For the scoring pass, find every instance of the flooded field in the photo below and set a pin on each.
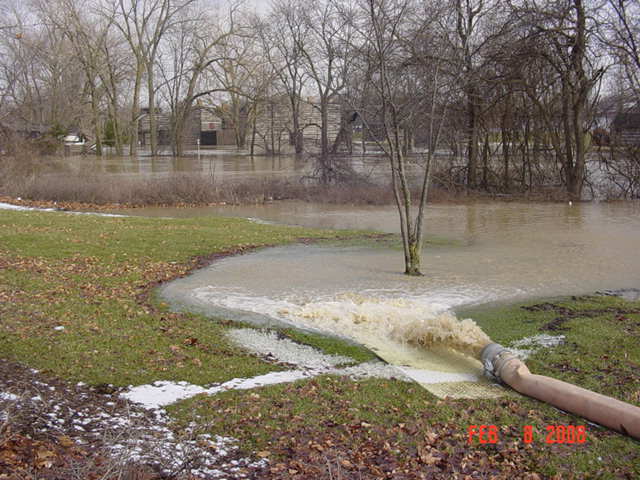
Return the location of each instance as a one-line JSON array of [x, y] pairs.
[[492, 252]]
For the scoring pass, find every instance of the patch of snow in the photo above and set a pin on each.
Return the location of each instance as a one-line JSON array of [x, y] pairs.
[[162, 393], [267, 343], [129, 434], [9, 206], [260, 221], [272, 378]]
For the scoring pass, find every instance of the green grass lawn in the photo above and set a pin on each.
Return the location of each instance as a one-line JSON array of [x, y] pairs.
[[87, 274], [93, 275]]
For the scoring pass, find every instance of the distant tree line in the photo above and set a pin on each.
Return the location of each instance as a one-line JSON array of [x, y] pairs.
[[499, 95]]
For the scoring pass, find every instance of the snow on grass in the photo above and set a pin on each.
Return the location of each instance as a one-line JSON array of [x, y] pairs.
[[164, 393], [268, 343], [309, 361], [9, 206], [8, 397], [127, 433]]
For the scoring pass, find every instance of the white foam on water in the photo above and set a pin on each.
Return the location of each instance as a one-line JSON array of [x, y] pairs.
[[417, 334], [419, 321]]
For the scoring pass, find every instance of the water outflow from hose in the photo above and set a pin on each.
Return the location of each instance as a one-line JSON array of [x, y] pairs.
[[501, 364]]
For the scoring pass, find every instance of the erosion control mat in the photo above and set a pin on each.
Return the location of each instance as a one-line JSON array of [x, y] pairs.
[[442, 372]]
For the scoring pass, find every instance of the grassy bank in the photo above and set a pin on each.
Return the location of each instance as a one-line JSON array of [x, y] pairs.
[[73, 295], [74, 302]]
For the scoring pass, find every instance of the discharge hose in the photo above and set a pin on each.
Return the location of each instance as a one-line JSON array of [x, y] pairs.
[[501, 364]]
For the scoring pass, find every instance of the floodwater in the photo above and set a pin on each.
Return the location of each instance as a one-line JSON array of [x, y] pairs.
[[485, 252], [220, 164]]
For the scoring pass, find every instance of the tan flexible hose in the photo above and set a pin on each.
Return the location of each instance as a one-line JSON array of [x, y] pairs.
[[609, 412]]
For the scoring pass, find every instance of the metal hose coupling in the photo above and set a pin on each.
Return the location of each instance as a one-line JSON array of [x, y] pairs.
[[489, 357]]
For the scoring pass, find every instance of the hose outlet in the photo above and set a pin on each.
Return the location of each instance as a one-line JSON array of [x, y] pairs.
[[489, 356]]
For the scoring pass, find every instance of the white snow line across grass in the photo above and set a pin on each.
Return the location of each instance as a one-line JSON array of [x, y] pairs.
[[163, 393], [20, 208]]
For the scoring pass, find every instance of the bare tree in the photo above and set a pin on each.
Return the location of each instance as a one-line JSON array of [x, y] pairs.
[[560, 33], [327, 58], [284, 35], [407, 72], [143, 24], [623, 37], [240, 73], [88, 36]]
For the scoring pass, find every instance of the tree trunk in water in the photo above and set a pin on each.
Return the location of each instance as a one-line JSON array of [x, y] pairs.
[[327, 174], [298, 141], [506, 156], [485, 163], [324, 128], [580, 101], [414, 256], [96, 123], [472, 143], [135, 113], [577, 176], [153, 118], [178, 134]]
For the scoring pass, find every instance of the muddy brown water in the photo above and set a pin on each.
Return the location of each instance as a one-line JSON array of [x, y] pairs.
[[219, 164]]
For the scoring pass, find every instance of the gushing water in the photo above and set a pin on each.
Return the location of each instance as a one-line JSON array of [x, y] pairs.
[[403, 320]]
